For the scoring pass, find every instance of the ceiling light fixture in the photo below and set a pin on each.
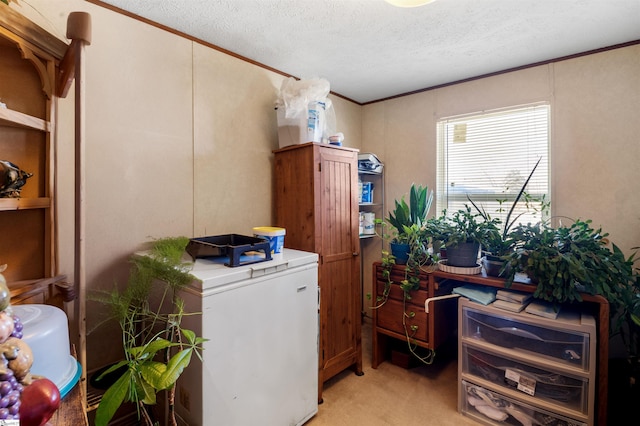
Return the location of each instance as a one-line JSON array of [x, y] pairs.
[[409, 3]]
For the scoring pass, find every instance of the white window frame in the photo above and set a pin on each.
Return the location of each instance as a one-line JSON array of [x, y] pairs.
[[501, 148]]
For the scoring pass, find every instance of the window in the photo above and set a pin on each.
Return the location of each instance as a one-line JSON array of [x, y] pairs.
[[489, 156]]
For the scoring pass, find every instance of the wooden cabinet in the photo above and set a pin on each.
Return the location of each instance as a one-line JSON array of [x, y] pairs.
[[29, 60], [316, 202], [400, 318]]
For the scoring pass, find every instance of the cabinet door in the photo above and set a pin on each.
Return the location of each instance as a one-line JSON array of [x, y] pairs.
[[340, 269], [294, 196]]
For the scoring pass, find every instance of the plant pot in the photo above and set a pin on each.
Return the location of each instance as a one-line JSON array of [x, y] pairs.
[[400, 252], [463, 254], [493, 265]]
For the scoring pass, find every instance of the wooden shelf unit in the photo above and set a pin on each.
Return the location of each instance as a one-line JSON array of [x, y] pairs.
[[29, 60]]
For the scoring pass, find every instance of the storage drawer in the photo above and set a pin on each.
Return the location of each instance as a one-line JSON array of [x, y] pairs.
[[493, 408], [397, 293], [389, 316], [558, 340], [545, 384]]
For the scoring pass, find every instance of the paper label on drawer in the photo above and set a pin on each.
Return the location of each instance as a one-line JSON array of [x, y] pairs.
[[524, 384]]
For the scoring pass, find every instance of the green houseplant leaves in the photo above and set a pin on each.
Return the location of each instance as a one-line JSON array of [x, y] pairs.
[[156, 348], [568, 260], [405, 216]]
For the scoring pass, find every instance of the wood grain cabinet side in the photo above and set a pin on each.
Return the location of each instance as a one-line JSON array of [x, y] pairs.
[[316, 202]]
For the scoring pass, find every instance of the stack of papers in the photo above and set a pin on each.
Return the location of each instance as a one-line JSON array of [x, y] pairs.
[[514, 296], [513, 301], [477, 293], [543, 309], [509, 306]]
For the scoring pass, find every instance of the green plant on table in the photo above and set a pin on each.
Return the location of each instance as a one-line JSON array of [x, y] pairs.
[[570, 260], [500, 244], [405, 216], [566, 261], [464, 226], [156, 347], [419, 259], [408, 222]]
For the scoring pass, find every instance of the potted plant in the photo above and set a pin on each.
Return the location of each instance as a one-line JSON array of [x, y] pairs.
[[498, 245], [464, 233], [156, 347], [408, 221], [409, 240], [409, 247], [567, 260], [438, 230]]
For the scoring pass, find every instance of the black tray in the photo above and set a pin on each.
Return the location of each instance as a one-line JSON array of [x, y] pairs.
[[231, 245]]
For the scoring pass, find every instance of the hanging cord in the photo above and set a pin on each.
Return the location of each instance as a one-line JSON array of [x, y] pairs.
[[431, 354]]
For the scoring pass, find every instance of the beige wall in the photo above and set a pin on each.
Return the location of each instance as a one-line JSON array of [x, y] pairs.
[[179, 140], [595, 144], [595, 148]]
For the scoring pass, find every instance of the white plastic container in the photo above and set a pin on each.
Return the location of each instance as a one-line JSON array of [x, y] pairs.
[[369, 223], [46, 332], [307, 126], [273, 234]]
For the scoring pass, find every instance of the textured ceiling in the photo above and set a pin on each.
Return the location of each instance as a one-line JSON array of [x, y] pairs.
[[369, 50]]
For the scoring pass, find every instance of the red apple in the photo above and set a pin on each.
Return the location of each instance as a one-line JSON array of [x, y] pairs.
[[38, 402]]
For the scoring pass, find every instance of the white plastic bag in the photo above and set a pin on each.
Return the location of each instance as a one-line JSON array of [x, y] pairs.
[[297, 99], [295, 95]]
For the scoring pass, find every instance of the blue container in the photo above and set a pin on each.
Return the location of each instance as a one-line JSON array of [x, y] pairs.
[[367, 192]]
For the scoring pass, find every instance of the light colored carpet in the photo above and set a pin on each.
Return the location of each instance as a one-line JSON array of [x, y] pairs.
[[391, 395]]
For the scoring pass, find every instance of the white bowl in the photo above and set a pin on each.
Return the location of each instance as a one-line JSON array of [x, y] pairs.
[[46, 331]]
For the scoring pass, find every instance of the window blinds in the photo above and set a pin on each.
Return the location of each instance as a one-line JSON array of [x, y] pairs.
[[488, 157]]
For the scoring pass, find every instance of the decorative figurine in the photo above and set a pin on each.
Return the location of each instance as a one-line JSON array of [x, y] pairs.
[[12, 179]]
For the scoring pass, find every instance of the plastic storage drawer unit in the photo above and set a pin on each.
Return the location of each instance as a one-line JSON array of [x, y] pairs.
[[545, 384], [493, 408], [560, 343], [546, 365]]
